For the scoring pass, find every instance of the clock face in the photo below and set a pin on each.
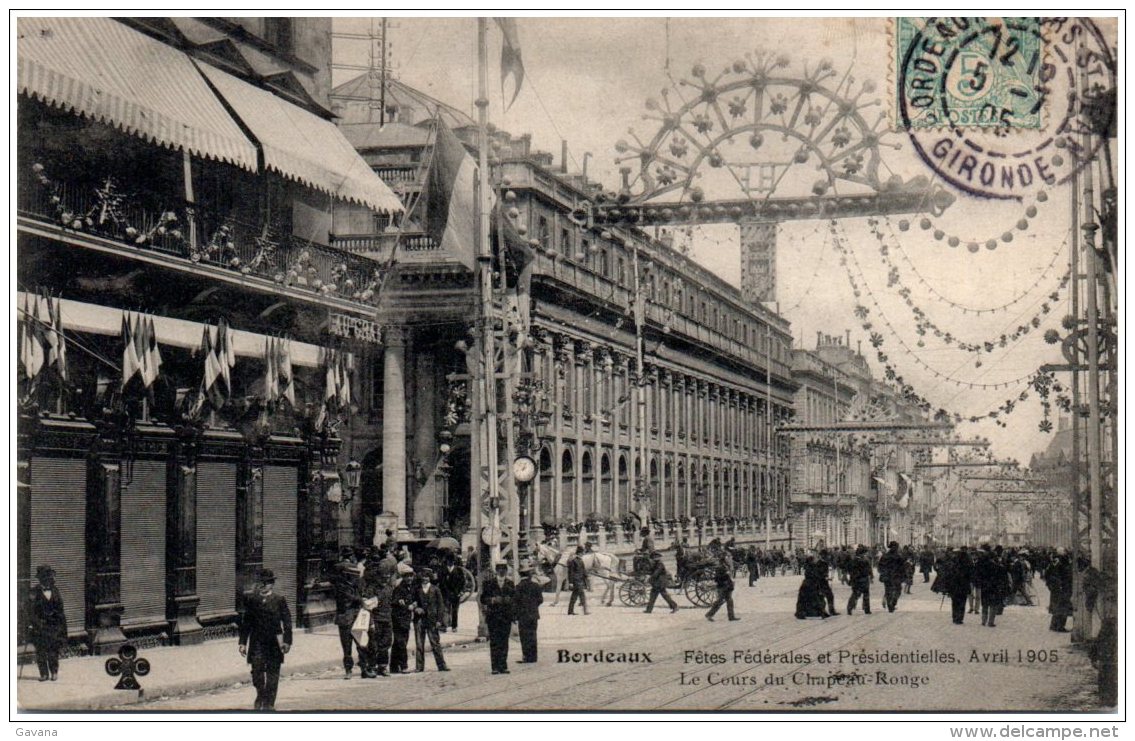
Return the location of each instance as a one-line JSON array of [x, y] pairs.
[[524, 469]]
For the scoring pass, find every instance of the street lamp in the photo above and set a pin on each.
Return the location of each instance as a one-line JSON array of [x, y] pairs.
[[352, 477]]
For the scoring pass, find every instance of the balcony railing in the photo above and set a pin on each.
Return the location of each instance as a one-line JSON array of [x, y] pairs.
[[383, 243], [200, 236]]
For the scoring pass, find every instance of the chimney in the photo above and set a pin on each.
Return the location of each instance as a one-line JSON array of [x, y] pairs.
[[563, 156], [859, 347], [818, 336], [848, 336]]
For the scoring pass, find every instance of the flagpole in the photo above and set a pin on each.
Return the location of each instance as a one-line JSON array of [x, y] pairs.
[[489, 457]]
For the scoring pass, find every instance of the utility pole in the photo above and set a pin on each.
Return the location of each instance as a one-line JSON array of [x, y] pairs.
[[643, 483], [769, 435], [488, 463]]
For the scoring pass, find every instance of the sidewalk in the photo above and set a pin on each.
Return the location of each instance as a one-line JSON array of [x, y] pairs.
[[83, 683]]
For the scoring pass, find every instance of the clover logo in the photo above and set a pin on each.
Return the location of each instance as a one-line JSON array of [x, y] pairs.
[[126, 666]]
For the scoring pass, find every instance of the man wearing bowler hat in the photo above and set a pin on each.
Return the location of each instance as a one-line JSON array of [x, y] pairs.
[[265, 636], [498, 596]]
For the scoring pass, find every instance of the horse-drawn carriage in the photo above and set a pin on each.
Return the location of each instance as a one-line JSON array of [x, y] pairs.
[[695, 579], [434, 552]]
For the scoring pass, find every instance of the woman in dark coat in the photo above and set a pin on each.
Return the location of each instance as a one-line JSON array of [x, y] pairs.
[[810, 598], [48, 623]]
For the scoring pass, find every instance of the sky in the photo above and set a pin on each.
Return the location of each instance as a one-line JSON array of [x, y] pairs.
[[587, 81]]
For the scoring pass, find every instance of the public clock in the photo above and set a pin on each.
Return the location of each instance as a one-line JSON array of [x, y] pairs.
[[524, 469]]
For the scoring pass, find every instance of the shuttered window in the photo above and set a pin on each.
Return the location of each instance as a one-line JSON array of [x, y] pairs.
[[216, 539], [280, 485], [144, 544], [58, 530]]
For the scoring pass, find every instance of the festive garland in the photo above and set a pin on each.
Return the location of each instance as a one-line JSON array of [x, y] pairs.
[[1043, 383], [973, 245], [924, 325], [1057, 253]]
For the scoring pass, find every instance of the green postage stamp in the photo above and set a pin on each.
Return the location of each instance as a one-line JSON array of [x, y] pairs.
[[987, 73]]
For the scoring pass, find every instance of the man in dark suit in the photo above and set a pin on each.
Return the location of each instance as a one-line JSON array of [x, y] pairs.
[[48, 623], [346, 585], [723, 579], [529, 597], [659, 580], [860, 576], [265, 636], [452, 583], [429, 616], [577, 580], [892, 571], [498, 596], [404, 598]]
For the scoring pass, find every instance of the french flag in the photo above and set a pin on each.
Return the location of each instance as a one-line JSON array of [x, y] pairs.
[[449, 197]]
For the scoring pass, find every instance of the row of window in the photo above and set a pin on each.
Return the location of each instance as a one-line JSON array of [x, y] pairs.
[[669, 292], [590, 393]]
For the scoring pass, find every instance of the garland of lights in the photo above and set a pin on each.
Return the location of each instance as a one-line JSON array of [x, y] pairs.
[[1043, 383], [924, 325], [973, 245], [1057, 253]]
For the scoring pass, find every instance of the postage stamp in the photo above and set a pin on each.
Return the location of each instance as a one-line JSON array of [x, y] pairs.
[[969, 72], [972, 95]]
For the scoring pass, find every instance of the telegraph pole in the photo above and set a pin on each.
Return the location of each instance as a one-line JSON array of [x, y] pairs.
[[643, 483], [486, 477]]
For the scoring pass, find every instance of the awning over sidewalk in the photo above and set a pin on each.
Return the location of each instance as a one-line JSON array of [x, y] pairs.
[[302, 146], [111, 73]]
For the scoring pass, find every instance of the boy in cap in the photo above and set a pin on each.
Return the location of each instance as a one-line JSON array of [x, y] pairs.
[[529, 597], [498, 597], [265, 636]]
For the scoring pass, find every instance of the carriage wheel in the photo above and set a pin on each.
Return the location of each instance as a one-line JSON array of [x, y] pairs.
[[470, 584], [701, 589], [633, 593]]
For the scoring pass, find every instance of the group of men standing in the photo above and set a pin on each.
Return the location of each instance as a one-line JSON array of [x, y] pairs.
[[397, 599]]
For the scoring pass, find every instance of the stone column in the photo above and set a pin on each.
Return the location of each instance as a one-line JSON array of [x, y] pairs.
[[394, 424], [427, 499], [181, 539], [104, 539]]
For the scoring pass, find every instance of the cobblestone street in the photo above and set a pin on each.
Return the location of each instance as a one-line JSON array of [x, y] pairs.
[[695, 664]]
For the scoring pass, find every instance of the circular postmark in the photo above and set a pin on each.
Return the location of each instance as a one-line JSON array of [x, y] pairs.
[[978, 98]]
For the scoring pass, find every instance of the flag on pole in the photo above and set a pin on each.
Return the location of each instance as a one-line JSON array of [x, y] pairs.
[[511, 63], [226, 355], [449, 198], [151, 356], [31, 348], [271, 376], [213, 389], [60, 359], [285, 379], [131, 362]]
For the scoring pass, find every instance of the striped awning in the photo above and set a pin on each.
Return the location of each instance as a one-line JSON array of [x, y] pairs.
[[106, 71], [302, 146]]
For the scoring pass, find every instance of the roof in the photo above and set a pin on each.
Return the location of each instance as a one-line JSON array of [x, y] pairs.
[[104, 70], [402, 95], [370, 136], [302, 146]]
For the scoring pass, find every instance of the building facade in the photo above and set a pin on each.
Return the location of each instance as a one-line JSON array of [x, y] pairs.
[[716, 375], [189, 334]]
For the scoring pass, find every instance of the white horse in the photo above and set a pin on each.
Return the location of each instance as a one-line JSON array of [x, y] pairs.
[[596, 563]]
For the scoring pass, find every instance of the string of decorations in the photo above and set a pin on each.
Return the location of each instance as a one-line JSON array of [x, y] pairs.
[[973, 245], [924, 325], [1057, 253], [1042, 382]]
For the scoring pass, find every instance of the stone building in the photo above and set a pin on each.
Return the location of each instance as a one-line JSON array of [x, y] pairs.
[[177, 180], [717, 376]]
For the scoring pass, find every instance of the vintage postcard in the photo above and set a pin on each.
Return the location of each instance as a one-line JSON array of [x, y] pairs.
[[759, 365]]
